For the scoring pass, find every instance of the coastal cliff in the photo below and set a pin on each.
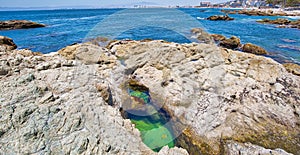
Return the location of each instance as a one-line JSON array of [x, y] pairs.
[[223, 101]]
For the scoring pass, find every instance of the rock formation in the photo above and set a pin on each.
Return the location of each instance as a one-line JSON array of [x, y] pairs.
[[254, 49], [220, 17], [283, 23], [222, 101], [231, 43], [218, 37], [292, 68], [7, 43], [266, 13], [19, 24]]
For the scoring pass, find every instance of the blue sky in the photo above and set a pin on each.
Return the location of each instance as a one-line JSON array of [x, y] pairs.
[[96, 3]]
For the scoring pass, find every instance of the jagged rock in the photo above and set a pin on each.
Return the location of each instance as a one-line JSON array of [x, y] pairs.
[[19, 24], [220, 17], [8, 43], [254, 49], [231, 43], [292, 68], [248, 148], [219, 94], [222, 101]]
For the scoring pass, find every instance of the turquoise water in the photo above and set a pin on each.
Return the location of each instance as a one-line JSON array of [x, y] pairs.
[[69, 26], [152, 122]]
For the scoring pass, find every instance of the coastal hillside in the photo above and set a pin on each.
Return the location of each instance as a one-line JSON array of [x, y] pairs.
[[83, 98]]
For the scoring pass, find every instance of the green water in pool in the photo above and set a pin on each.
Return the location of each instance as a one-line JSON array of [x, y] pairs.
[[153, 124]]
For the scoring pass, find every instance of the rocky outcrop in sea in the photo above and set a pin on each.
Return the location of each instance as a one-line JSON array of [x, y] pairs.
[[283, 23], [218, 101], [220, 17], [19, 24]]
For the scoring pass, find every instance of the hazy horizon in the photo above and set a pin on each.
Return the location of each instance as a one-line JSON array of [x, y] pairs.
[[95, 3]]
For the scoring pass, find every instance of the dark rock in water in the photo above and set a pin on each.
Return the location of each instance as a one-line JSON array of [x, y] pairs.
[[218, 37], [282, 22], [254, 49], [231, 43], [8, 43], [229, 11], [220, 17], [19, 24], [292, 68]]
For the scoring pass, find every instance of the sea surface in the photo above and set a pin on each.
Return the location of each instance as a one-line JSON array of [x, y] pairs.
[[65, 27]]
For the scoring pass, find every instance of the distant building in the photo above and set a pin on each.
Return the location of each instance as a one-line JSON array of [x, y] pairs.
[[205, 4]]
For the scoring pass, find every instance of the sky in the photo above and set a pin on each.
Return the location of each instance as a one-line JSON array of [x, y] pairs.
[[95, 3]]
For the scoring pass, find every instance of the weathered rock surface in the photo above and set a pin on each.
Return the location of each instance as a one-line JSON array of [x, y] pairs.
[[231, 43], [220, 95], [224, 101], [19, 24], [292, 68], [282, 22], [254, 49], [220, 17], [7, 43]]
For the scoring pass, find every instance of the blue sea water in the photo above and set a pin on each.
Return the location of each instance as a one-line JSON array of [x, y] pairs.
[[65, 27]]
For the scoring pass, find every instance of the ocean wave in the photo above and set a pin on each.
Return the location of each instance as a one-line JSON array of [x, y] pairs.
[[290, 47], [83, 18], [288, 40], [200, 18], [293, 17]]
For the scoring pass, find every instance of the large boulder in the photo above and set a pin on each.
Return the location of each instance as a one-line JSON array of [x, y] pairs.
[[19, 24], [220, 17], [231, 43], [221, 96], [8, 43], [219, 101], [254, 49]]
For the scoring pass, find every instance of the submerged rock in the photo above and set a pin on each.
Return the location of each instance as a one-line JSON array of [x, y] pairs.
[[19, 24], [254, 49]]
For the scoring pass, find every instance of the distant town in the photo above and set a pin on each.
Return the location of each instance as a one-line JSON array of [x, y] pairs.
[[239, 4]]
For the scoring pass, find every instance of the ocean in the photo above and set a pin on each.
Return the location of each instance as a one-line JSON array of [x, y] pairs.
[[65, 27]]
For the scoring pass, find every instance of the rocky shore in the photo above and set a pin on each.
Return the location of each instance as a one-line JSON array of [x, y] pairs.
[[233, 42], [222, 101], [19, 24], [262, 12]]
